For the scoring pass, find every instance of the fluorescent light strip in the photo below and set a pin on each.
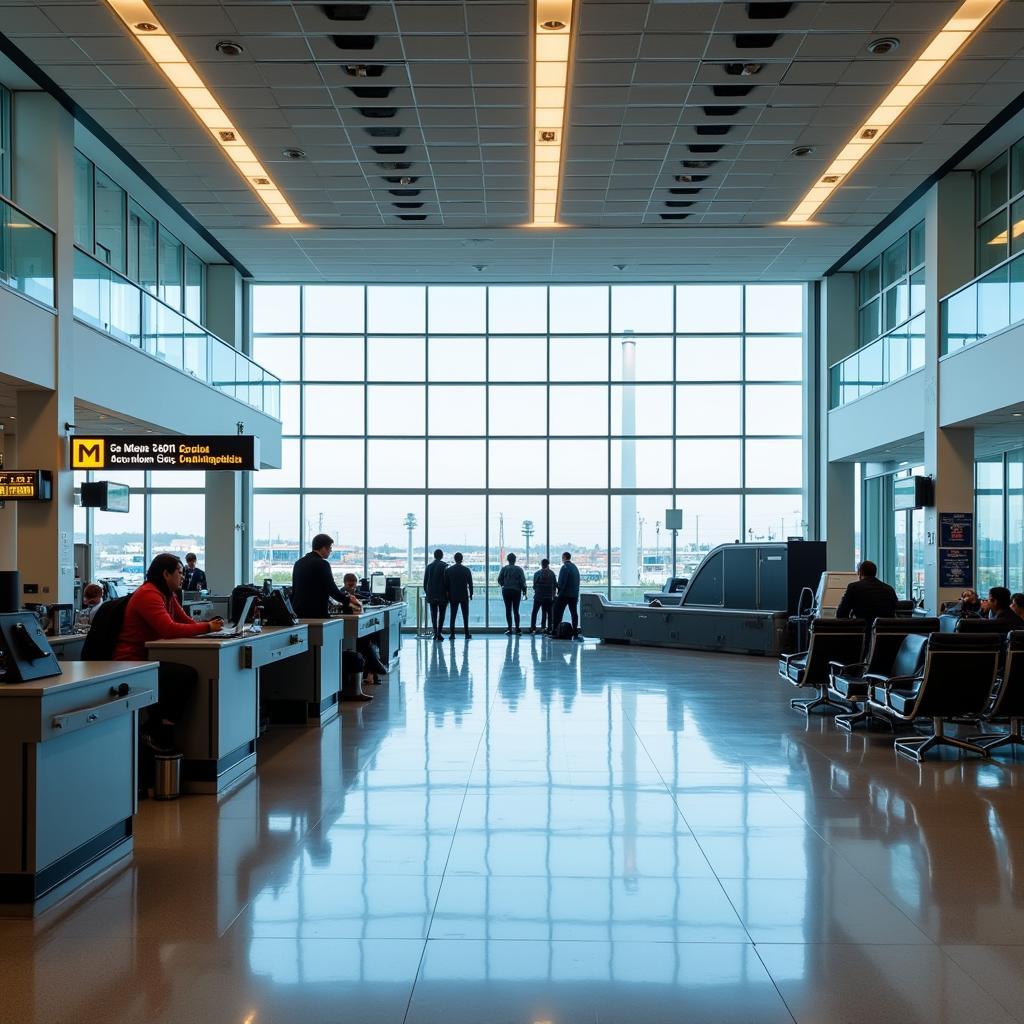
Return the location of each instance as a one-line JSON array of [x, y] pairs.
[[550, 80], [952, 37], [157, 42]]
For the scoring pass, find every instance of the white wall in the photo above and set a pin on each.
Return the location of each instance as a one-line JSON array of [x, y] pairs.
[[27, 341], [885, 417], [983, 378]]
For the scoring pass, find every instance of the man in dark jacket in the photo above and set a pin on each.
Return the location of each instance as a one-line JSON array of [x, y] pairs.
[[313, 582], [195, 578], [543, 597], [435, 592], [867, 598], [568, 595], [999, 610], [458, 582]]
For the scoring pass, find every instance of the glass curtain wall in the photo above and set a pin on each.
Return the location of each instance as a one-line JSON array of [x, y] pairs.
[[894, 541], [560, 418], [6, 155]]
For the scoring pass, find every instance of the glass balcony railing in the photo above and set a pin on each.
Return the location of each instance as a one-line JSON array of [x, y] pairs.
[[890, 357], [119, 307], [986, 305], [26, 254]]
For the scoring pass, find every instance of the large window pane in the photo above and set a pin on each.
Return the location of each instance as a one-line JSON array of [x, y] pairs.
[[457, 310], [774, 463], [396, 310], [704, 308], [709, 359], [340, 516], [991, 246], [641, 409], [458, 464], [519, 463], [642, 463], [775, 308], [641, 552], [288, 474], [110, 221], [178, 525], [708, 519], [579, 359], [515, 359], [711, 409], [989, 502], [278, 355], [171, 269], [396, 536], [396, 359], [456, 523], [993, 185], [517, 410], [84, 202], [579, 464], [642, 309], [640, 358], [396, 464], [774, 409], [457, 359], [291, 421], [513, 310], [118, 539], [275, 309], [332, 309], [333, 359], [894, 262], [275, 536], [579, 309], [708, 464], [195, 284], [397, 410], [142, 247], [775, 358], [333, 463], [507, 517], [333, 409], [457, 410], [579, 410], [774, 516], [1015, 520], [579, 525]]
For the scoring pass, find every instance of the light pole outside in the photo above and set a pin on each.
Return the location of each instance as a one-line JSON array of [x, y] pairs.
[[527, 534]]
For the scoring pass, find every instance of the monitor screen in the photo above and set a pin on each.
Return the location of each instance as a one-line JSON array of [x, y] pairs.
[[378, 585]]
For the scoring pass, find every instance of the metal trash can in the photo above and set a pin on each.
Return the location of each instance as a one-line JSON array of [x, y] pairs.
[[167, 776]]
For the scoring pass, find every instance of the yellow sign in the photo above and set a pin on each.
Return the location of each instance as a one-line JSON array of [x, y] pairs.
[[88, 453]]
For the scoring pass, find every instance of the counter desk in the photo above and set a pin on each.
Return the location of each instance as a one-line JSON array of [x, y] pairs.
[[386, 620], [67, 647], [68, 777], [221, 723]]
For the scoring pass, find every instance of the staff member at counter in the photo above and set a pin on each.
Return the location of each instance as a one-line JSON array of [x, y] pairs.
[[313, 582], [153, 613]]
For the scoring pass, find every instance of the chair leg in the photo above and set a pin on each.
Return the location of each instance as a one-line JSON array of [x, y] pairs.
[[821, 701], [918, 746], [994, 740]]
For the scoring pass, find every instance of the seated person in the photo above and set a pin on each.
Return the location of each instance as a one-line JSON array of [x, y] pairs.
[[349, 584], [92, 598], [867, 598], [153, 613], [368, 646], [968, 607], [999, 608], [1017, 605]]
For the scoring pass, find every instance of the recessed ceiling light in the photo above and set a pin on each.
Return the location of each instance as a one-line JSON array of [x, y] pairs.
[[884, 45], [294, 154], [552, 43], [167, 55], [945, 45], [230, 48]]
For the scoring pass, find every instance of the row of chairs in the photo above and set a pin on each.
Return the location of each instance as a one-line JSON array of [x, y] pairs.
[[911, 671]]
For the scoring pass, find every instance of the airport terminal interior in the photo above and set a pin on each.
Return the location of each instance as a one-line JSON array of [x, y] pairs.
[[511, 511]]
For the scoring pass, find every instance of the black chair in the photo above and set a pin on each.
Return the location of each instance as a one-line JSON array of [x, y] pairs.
[[1009, 697], [956, 680], [905, 609], [831, 640], [849, 683], [983, 626]]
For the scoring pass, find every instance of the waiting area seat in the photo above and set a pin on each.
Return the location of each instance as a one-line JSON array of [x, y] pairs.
[[1008, 701], [830, 640], [887, 656], [956, 680]]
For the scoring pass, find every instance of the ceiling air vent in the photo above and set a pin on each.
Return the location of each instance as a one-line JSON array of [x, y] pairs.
[[673, 216], [698, 165], [768, 11], [402, 181], [390, 151], [692, 177], [381, 112], [721, 111], [400, 166], [711, 129], [384, 131], [726, 92], [680, 204], [404, 191], [742, 70], [412, 216], [364, 70], [754, 40], [371, 92], [683, 191], [346, 12], [703, 149], [407, 206], [354, 42]]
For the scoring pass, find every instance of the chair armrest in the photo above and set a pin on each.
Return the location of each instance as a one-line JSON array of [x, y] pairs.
[[891, 681], [787, 658], [837, 668]]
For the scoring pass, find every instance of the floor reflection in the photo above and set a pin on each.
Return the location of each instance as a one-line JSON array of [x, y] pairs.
[[521, 829]]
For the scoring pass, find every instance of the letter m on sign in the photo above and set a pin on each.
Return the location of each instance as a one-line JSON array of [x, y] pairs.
[[88, 453]]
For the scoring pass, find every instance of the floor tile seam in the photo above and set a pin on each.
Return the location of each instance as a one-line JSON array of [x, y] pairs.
[[1011, 1010], [775, 984]]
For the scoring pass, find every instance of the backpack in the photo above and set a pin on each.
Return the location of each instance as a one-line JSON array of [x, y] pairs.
[[105, 631], [564, 631], [238, 598]]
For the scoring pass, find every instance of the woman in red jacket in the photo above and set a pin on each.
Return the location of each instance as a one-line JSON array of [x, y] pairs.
[[153, 613]]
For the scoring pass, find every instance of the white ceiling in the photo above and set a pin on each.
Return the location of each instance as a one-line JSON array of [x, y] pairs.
[[459, 74]]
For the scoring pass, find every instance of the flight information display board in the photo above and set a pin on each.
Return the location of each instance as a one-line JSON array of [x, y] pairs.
[[26, 485], [148, 451]]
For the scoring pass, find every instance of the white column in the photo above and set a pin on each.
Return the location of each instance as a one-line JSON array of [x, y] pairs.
[[628, 575], [225, 565]]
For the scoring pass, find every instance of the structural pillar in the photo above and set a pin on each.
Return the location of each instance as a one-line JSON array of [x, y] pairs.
[[224, 303], [225, 565], [628, 568], [8, 514]]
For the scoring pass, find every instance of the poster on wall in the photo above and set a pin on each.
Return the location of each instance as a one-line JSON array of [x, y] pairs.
[[956, 529], [956, 567]]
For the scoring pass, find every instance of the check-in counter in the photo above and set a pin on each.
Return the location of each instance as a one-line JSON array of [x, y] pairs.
[[395, 616], [68, 777], [68, 647], [304, 690], [220, 726]]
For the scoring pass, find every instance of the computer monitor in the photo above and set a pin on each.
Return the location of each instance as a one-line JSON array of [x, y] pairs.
[[378, 585]]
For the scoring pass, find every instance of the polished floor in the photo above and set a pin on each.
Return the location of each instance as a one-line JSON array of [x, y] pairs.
[[534, 832]]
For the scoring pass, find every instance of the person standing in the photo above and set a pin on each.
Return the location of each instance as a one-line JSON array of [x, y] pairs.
[[543, 597], [434, 590], [568, 595], [195, 578], [458, 581], [512, 581]]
